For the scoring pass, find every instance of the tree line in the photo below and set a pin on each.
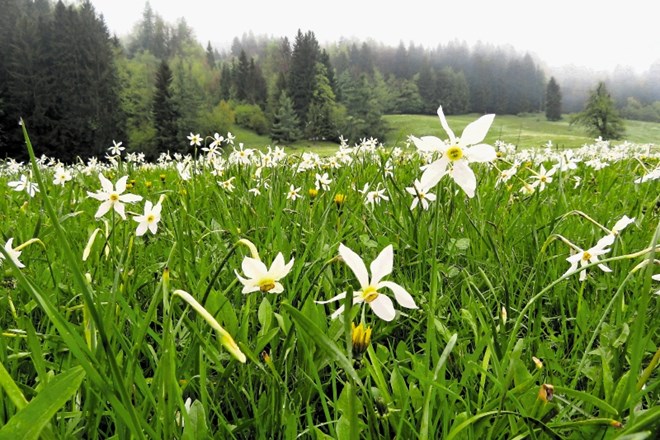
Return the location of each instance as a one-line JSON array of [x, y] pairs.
[[79, 88]]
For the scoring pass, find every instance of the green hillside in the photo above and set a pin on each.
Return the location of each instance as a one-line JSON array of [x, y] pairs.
[[525, 131]]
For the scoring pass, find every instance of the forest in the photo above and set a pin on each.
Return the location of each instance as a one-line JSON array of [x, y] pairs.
[[79, 88]]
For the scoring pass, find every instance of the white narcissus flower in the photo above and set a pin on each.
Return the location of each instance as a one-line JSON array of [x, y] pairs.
[[24, 184], [195, 139], [113, 197], [323, 181], [458, 153], [584, 258], [421, 195], [369, 288], [61, 176], [149, 220], [619, 226], [293, 193], [259, 277], [116, 148], [543, 177], [13, 254]]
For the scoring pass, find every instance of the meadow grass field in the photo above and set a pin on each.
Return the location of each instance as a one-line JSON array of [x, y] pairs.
[[524, 131], [201, 296]]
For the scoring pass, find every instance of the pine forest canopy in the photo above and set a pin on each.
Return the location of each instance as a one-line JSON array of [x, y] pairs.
[[79, 89]]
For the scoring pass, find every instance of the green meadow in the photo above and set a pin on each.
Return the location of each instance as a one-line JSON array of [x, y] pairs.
[[525, 131], [187, 299]]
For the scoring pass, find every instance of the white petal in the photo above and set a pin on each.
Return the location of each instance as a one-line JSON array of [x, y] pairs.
[[119, 209], [443, 122], [253, 268], [106, 184], [571, 269], [141, 229], [101, 197], [400, 294], [105, 207], [464, 177], [382, 265], [153, 227], [481, 153], [621, 224], [356, 264], [129, 198], [434, 172], [121, 184], [147, 206], [279, 288], [605, 241], [383, 307], [428, 143], [476, 131], [583, 275], [334, 298], [337, 312]]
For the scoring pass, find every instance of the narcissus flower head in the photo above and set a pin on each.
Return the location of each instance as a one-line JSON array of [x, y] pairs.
[[370, 287]]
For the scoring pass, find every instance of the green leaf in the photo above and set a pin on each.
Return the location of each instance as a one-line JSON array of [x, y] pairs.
[[30, 421], [265, 315], [323, 341], [586, 397], [12, 390], [195, 427]]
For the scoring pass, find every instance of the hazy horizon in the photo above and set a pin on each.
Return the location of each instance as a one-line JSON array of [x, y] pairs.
[[586, 34]]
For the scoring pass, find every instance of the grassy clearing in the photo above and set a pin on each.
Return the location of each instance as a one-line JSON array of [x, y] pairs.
[[523, 131], [108, 347]]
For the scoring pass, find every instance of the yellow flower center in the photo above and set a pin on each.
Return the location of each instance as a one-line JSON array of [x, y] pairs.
[[544, 179], [369, 294], [454, 153], [266, 285], [151, 218], [586, 256], [114, 197]]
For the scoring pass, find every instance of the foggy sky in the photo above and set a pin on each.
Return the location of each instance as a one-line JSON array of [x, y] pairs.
[[595, 34]]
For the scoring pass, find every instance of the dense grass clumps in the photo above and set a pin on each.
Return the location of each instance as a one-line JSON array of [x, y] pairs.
[[99, 338]]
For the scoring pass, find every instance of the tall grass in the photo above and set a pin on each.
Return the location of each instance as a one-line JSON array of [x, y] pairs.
[[103, 348]]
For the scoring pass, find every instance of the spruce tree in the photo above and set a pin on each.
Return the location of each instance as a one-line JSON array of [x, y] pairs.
[[242, 77], [426, 84], [320, 113], [552, 101], [164, 111], [225, 82], [302, 73], [600, 116], [210, 56], [285, 121]]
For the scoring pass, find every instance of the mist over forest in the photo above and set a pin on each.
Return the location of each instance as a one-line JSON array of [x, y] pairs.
[[79, 88]]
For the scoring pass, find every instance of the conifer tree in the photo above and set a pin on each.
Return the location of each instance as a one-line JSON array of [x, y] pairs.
[[320, 113], [210, 56], [285, 121], [242, 77], [600, 116], [164, 111], [302, 73], [552, 101], [225, 82]]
